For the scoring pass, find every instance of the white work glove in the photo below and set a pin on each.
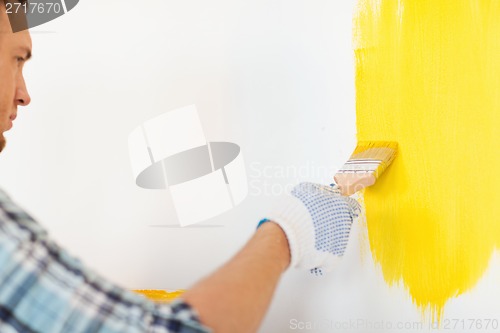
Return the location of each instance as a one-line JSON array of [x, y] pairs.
[[317, 222]]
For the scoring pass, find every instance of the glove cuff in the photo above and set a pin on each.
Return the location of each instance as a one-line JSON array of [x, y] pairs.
[[295, 220]]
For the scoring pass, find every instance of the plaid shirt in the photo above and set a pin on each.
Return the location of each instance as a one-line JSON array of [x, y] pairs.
[[44, 289]]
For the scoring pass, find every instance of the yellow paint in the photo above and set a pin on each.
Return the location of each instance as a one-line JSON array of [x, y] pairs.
[[160, 296], [428, 77]]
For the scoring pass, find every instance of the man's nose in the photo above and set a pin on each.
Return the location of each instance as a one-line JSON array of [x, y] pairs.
[[22, 96]]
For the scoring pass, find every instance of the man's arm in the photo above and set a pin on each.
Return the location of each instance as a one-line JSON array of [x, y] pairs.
[[236, 297], [308, 229]]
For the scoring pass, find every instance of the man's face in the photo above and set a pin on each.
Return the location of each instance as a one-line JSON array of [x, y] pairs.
[[15, 50]]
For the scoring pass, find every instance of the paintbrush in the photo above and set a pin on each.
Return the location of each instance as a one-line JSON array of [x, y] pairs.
[[368, 161]]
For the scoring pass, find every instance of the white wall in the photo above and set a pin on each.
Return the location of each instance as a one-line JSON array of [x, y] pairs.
[[275, 77]]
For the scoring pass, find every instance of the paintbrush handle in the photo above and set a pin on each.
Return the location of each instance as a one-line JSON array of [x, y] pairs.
[[350, 183]]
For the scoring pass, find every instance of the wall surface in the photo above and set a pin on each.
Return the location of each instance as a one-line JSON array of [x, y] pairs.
[[275, 77]]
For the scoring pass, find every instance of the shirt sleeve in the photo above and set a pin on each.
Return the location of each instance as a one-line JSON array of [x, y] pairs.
[[44, 289]]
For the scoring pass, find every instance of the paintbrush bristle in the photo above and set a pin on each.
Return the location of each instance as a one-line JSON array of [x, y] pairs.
[[366, 164]]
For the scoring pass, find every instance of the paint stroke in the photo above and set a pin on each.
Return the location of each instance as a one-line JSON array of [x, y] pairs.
[[428, 77], [160, 296]]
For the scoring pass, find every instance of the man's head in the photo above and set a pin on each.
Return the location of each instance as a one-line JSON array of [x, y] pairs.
[[15, 50]]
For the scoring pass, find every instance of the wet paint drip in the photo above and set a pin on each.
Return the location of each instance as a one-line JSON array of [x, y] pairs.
[[428, 77]]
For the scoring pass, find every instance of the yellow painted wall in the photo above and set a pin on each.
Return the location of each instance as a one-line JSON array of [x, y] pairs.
[[428, 76]]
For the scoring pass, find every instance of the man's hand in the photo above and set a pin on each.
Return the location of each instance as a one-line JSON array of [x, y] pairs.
[[317, 222]]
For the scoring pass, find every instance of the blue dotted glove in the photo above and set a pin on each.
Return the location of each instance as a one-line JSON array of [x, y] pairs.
[[317, 222]]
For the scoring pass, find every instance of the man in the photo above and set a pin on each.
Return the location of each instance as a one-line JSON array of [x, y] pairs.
[[15, 51], [45, 289]]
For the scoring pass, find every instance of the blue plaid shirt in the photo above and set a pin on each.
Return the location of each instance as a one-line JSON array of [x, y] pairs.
[[44, 289]]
